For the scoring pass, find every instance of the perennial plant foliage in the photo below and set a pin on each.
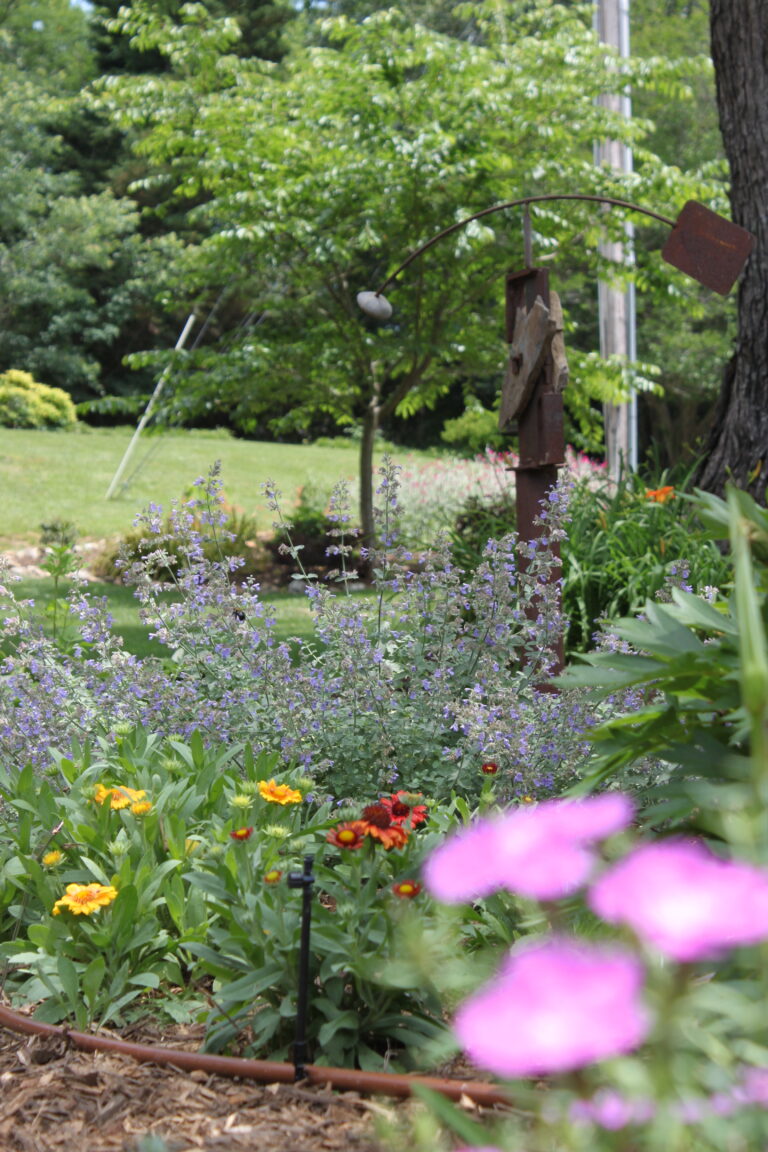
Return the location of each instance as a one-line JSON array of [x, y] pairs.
[[155, 810]]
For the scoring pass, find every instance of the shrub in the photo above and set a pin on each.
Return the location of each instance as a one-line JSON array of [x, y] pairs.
[[24, 403], [424, 681], [474, 431]]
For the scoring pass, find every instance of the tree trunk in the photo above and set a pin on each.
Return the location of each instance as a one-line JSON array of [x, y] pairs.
[[738, 443]]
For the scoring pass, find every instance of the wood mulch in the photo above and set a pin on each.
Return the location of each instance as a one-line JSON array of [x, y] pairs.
[[55, 1098]]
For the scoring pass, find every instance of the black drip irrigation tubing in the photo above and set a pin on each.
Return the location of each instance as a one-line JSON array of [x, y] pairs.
[[266, 1071]]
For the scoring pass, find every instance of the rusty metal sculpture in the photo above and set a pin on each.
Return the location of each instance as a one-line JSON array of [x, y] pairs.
[[702, 244]]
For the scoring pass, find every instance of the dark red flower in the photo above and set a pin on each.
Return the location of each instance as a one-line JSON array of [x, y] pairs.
[[403, 809], [242, 833], [490, 768]]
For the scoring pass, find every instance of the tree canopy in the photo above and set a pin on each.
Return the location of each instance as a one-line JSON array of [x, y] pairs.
[[307, 182]]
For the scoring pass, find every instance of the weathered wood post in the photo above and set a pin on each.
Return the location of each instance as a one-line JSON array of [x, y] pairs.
[[532, 396]]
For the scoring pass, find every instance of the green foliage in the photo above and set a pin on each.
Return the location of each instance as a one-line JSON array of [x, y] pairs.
[[350, 179], [235, 538], [24, 403], [198, 843], [474, 431], [699, 670], [628, 543]]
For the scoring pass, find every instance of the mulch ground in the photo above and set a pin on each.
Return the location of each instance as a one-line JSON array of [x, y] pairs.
[[54, 1097]]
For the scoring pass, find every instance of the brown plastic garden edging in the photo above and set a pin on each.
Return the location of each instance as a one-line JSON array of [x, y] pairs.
[[266, 1071]]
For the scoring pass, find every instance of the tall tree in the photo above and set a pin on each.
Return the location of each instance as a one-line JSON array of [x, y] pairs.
[[313, 179], [738, 445]]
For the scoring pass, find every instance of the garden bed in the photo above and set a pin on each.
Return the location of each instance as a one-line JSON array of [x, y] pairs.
[[55, 1097]]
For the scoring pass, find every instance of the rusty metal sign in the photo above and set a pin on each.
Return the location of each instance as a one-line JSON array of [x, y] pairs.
[[708, 247]]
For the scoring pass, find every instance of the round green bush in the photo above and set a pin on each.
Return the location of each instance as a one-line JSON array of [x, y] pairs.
[[24, 403]]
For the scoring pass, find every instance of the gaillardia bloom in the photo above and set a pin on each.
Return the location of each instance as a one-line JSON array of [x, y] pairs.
[[490, 768], [407, 889], [555, 1007], [350, 835], [682, 900], [379, 825], [141, 807], [278, 793], [241, 834], [404, 809], [120, 797], [273, 876], [543, 852], [52, 858], [82, 899]]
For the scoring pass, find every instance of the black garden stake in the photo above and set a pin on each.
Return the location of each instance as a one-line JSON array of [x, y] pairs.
[[303, 880]]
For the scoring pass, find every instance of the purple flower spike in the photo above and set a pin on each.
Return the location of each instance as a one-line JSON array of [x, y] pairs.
[[682, 900], [540, 852], [555, 1007]]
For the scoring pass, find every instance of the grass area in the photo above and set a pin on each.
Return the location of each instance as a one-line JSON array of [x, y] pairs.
[[291, 611], [65, 475]]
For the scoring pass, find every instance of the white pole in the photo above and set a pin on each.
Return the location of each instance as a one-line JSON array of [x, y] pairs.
[[149, 408], [617, 309]]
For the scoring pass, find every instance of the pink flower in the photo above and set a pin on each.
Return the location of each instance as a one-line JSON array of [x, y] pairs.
[[684, 901], [554, 1007], [541, 852]]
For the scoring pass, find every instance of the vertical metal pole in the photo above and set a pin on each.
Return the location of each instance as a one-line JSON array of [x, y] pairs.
[[305, 881], [149, 408], [617, 308]]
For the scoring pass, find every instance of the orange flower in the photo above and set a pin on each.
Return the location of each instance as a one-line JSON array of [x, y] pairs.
[[82, 899], [407, 889], [379, 825], [242, 834], [403, 809], [119, 797], [278, 793], [273, 876], [141, 807], [350, 835], [660, 495]]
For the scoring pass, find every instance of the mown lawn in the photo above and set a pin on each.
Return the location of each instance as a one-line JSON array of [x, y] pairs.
[[45, 476]]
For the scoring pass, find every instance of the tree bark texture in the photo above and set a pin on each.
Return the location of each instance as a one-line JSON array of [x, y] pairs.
[[737, 449]]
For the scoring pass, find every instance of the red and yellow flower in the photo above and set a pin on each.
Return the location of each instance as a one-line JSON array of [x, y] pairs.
[[490, 768], [380, 826], [403, 808], [350, 835], [273, 876], [82, 899], [241, 834], [406, 889]]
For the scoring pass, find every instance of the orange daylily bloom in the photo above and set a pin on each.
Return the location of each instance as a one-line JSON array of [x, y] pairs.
[[660, 495]]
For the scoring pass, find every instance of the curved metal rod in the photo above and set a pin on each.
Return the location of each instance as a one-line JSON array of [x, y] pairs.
[[518, 204], [266, 1071]]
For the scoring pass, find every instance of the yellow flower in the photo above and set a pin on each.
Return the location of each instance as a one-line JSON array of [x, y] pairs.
[[120, 797], [82, 899], [52, 858], [278, 793], [141, 807]]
